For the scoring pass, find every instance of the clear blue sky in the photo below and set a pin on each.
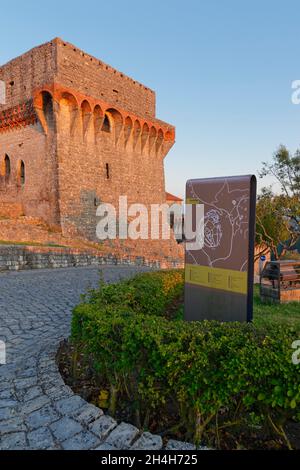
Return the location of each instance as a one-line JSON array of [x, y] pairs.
[[222, 71]]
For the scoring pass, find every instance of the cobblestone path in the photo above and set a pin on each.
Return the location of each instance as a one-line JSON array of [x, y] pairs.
[[37, 410]]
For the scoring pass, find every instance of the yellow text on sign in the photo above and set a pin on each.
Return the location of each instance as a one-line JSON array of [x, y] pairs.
[[192, 200], [217, 278]]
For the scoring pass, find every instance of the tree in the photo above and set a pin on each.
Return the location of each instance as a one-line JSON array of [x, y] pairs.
[[278, 215]]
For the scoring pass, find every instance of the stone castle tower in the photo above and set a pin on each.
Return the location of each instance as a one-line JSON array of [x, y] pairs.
[[75, 132]]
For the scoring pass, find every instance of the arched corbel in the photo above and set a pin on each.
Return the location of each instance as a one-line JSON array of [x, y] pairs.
[[137, 129], [145, 136], [128, 130], [86, 118], [98, 118]]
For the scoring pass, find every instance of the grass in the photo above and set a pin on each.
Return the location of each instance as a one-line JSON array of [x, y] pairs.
[[267, 314], [5, 242]]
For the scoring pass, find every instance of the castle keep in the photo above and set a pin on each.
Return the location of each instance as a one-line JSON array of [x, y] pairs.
[[75, 132]]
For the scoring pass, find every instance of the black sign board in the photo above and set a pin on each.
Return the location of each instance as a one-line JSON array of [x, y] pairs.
[[219, 274]]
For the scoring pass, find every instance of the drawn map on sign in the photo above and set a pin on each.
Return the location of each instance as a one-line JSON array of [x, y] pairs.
[[226, 221]]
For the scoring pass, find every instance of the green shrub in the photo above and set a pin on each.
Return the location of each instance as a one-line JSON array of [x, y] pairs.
[[148, 293], [208, 369]]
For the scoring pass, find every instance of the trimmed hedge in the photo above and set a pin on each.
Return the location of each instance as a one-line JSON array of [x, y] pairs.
[[209, 371]]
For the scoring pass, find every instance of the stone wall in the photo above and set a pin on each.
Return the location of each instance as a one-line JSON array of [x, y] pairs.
[[27, 73], [99, 167], [37, 195], [15, 258], [78, 70]]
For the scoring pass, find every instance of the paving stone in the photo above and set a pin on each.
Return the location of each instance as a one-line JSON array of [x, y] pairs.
[[122, 436], [7, 403], [69, 405], [42, 417], [179, 445], [58, 392], [148, 441], [13, 441], [7, 394], [83, 441], [41, 439], [33, 405], [102, 426], [106, 446], [25, 383], [7, 413], [65, 428], [30, 372], [12, 425], [88, 414], [48, 380], [31, 393], [4, 386]]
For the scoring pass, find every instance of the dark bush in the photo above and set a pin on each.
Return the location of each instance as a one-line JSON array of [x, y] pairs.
[[211, 372]]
